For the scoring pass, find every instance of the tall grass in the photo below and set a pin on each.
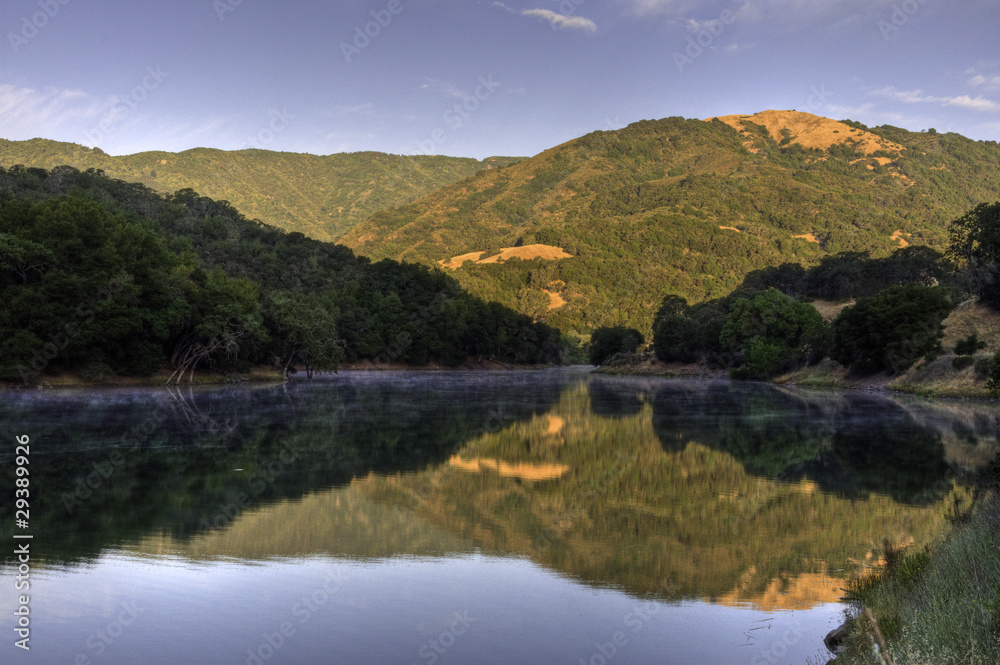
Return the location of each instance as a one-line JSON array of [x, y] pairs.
[[937, 607]]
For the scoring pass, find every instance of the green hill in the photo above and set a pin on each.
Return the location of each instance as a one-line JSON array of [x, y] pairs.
[[683, 206], [322, 197]]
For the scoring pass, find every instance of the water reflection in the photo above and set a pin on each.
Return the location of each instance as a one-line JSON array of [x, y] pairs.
[[852, 444], [733, 492], [109, 466]]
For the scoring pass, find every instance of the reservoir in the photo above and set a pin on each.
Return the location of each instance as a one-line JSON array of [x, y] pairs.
[[439, 518]]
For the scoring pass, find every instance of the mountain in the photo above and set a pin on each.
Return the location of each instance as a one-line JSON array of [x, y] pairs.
[[320, 196], [605, 225]]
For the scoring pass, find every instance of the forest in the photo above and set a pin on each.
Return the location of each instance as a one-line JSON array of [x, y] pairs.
[[101, 277]]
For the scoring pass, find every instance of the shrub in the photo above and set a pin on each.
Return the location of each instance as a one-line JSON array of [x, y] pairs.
[[969, 345], [892, 330], [993, 375], [961, 362]]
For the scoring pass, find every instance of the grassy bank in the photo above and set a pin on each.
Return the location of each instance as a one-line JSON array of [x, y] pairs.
[[935, 378], [939, 606]]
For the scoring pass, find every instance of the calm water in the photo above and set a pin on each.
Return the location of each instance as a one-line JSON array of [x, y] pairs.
[[447, 518]]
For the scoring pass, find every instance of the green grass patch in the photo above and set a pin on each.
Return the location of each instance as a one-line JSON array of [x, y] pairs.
[[937, 607]]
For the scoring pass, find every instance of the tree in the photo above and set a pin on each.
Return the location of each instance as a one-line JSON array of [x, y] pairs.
[[304, 330], [774, 333], [606, 342], [892, 330], [975, 247], [23, 257]]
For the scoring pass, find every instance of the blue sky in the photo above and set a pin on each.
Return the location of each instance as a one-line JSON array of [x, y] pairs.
[[478, 78]]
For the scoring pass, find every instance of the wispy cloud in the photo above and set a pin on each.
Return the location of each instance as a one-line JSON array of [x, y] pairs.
[[29, 112], [989, 82], [105, 121], [978, 103], [561, 21], [446, 88], [558, 21]]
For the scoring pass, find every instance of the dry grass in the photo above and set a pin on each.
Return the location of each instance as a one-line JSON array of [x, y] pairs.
[[528, 252], [455, 262], [555, 300], [525, 252], [812, 131], [972, 317], [898, 236], [829, 309], [808, 237]]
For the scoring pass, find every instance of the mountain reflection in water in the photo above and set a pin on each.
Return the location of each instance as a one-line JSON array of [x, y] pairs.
[[737, 493]]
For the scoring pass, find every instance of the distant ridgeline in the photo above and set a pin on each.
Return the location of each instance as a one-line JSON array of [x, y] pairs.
[[106, 277], [320, 196], [615, 220]]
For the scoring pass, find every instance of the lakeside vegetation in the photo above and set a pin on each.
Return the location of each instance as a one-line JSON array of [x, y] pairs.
[[892, 319], [104, 277], [933, 605]]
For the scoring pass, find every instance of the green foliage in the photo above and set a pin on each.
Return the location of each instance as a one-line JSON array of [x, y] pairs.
[[892, 330], [321, 196], [684, 334], [102, 276], [774, 333], [993, 375], [606, 342], [975, 245]]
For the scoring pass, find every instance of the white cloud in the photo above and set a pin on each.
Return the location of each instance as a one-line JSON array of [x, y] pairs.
[[713, 26], [113, 123], [558, 21], [561, 21], [446, 88], [29, 113], [905, 96], [979, 103], [991, 83]]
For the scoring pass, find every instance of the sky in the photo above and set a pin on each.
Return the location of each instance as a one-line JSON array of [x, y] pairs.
[[479, 78]]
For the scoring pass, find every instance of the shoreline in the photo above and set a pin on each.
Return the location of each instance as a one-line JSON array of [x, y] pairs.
[[934, 379], [258, 375]]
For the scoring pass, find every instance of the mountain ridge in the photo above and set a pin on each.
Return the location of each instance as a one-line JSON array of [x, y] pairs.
[[689, 207], [322, 196]]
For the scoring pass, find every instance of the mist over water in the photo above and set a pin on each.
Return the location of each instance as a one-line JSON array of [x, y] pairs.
[[534, 517]]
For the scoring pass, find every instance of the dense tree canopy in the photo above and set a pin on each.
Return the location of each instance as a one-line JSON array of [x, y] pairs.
[[892, 330], [101, 276], [606, 342], [774, 333]]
